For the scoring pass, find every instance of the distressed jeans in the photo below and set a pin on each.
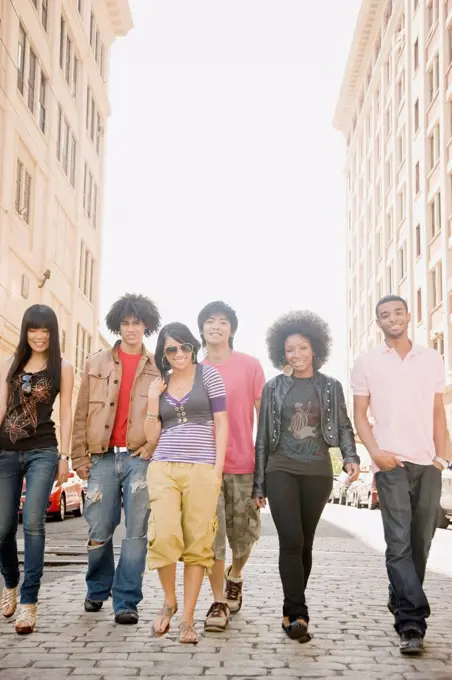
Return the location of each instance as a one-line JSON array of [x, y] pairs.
[[115, 478], [409, 499], [38, 467]]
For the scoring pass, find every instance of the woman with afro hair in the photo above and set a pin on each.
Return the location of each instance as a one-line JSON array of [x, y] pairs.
[[302, 415]]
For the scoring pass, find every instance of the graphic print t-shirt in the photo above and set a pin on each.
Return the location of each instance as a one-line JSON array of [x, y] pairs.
[[302, 448]]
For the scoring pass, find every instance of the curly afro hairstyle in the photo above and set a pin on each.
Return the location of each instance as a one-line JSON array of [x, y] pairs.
[[305, 323], [138, 306]]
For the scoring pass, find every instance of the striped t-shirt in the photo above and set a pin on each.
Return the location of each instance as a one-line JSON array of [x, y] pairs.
[[193, 442]]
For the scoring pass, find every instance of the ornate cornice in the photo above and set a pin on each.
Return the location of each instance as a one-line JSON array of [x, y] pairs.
[[120, 16], [355, 64]]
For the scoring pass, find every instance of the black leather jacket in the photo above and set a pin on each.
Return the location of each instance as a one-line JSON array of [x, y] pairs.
[[336, 426]]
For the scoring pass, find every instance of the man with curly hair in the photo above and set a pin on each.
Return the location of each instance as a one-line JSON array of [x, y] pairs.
[[238, 517], [402, 385], [109, 449]]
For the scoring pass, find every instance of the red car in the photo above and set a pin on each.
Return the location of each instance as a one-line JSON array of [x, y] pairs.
[[69, 497]]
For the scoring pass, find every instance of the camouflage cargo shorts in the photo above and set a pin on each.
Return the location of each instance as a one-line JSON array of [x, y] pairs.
[[238, 517]]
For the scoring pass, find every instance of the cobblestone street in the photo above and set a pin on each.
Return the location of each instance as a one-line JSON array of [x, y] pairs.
[[352, 629]]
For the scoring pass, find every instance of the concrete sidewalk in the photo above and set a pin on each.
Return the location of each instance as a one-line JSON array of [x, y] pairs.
[[353, 634]]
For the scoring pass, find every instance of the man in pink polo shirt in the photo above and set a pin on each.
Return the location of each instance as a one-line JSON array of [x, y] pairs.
[[402, 385], [238, 516]]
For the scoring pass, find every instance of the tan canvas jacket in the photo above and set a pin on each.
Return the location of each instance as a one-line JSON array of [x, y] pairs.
[[97, 402]]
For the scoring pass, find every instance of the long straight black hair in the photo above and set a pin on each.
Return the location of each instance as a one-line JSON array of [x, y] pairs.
[[38, 316]]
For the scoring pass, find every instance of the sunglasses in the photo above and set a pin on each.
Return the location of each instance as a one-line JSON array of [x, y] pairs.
[[186, 347], [26, 385]]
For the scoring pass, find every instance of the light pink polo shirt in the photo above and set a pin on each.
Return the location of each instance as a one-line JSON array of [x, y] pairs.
[[402, 394]]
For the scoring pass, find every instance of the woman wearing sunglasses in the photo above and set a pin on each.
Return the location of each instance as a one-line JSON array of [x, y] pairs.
[[187, 423], [30, 383]]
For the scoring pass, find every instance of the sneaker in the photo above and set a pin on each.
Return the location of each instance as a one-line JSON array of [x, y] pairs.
[[411, 642], [8, 602], [26, 619], [233, 591], [217, 618]]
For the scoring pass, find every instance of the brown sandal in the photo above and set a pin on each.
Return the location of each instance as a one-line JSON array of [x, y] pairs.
[[166, 612], [187, 634]]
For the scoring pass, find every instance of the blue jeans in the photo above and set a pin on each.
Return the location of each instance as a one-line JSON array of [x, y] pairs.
[[409, 500], [114, 477], [38, 467]]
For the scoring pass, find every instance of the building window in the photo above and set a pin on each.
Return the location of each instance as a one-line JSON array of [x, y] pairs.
[[379, 244], [31, 81], [449, 45], [416, 55], [401, 203], [438, 344], [437, 285], [21, 59], [435, 215], [45, 14], [82, 349], [387, 14], [432, 14], [418, 240], [377, 148], [388, 121], [66, 147], [42, 102], [419, 306], [23, 192], [417, 178], [401, 147], [388, 173], [402, 261], [400, 89], [389, 227], [68, 58], [86, 272], [94, 124], [390, 279], [416, 115], [434, 144], [90, 196], [97, 45], [387, 71], [433, 79]]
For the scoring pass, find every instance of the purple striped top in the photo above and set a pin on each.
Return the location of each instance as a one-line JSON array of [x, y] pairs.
[[192, 442]]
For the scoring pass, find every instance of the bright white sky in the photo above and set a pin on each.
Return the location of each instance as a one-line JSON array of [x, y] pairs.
[[224, 173]]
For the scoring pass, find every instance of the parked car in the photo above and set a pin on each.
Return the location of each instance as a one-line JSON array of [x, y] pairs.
[[339, 490], [351, 496], [69, 497], [445, 504], [331, 498], [366, 494]]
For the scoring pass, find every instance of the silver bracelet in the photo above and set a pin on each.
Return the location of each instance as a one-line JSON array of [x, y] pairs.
[[66, 458]]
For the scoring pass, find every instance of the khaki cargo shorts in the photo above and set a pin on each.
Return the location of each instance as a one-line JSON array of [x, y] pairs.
[[183, 500], [238, 517]]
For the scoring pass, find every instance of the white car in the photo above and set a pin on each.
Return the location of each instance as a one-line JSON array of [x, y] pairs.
[[445, 509]]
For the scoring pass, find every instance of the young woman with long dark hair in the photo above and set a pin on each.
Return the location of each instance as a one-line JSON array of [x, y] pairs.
[[187, 423], [29, 384]]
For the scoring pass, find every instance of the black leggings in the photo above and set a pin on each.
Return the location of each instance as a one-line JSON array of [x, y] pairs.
[[296, 504]]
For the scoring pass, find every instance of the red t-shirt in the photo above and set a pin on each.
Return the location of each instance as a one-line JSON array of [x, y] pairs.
[[129, 368], [243, 379]]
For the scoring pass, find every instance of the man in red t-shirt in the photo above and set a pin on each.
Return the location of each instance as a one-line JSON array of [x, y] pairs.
[[238, 517], [109, 449]]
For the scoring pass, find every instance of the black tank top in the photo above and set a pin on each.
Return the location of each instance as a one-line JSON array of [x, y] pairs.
[[28, 422]]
